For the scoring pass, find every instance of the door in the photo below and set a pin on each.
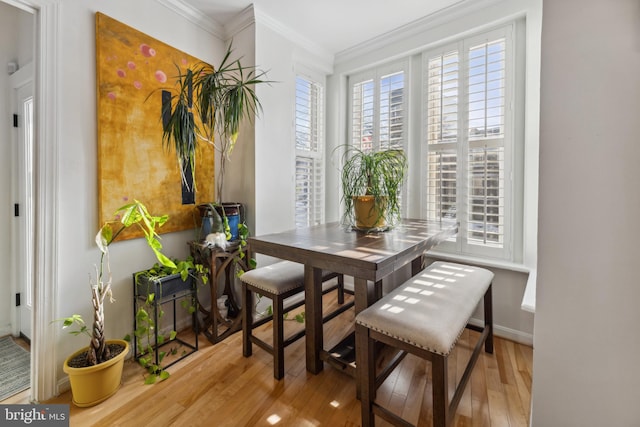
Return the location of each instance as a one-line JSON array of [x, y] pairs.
[[23, 204]]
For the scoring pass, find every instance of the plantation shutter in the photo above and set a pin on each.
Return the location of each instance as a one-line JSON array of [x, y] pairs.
[[442, 135], [309, 175], [466, 127], [362, 123], [486, 119], [392, 111], [378, 108]]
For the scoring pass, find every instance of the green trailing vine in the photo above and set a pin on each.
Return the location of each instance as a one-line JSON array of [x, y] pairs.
[[145, 323]]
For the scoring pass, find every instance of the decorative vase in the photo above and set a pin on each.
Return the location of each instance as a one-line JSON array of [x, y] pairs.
[[95, 384], [234, 212]]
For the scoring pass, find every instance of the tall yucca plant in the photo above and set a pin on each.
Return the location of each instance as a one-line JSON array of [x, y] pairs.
[[222, 98]]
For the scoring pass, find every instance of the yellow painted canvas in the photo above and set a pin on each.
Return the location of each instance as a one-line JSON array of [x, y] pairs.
[[132, 71]]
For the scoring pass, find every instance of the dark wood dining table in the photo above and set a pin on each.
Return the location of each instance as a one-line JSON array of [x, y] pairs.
[[367, 257]]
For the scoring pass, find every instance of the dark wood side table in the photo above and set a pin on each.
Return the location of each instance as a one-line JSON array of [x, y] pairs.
[[215, 326]]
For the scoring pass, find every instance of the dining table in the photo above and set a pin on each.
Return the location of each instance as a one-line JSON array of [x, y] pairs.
[[368, 257]]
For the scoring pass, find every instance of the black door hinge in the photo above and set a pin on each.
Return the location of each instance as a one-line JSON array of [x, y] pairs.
[[16, 209], [15, 120], [18, 299]]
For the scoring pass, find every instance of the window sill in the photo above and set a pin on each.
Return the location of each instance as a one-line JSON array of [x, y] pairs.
[[529, 297], [481, 262]]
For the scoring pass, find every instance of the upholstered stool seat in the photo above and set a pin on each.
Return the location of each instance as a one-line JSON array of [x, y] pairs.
[[278, 282], [424, 316]]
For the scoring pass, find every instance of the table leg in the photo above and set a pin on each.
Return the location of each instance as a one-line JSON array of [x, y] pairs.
[[417, 265], [313, 318], [365, 295]]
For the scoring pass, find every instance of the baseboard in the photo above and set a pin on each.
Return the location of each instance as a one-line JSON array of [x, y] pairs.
[[507, 333], [63, 385], [6, 330]]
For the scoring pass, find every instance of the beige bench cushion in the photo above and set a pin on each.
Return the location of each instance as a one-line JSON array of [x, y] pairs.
[[276, 278], [431, 309]]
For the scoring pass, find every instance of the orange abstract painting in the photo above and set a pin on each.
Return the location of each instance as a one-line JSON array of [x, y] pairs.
[[132, 71]]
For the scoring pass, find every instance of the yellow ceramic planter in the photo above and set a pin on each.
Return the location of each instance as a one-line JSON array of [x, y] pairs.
[[367, 214], [95, 384]]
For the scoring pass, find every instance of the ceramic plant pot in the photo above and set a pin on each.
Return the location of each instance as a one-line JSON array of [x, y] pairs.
[[95, 384], [367, 213]]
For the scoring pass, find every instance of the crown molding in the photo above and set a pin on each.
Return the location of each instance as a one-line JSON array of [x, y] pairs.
[[194, 16], [440, 17], [320, 52], [240, 21]]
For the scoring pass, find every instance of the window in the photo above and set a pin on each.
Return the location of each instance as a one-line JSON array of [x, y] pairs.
[[309, 175], [469, 141], [378, 108], [379, 105]]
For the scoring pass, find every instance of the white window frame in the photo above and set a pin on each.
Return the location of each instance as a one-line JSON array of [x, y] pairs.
[[376, 74], [459, 244], [316, 213]]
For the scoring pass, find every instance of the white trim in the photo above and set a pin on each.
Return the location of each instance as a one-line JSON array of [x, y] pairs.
[[482, 262], [325, 56], [529, 297], [239, 22], [43, 355], [507, 333], [442, 16], [21, 5], [194, 16], [43, 342]]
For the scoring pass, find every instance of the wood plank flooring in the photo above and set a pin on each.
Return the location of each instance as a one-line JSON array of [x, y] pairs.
[[216, 386]]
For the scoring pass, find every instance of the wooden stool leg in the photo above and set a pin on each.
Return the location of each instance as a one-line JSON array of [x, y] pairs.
[[365, 374], [278, 337], [341, 289], [440, 391], [247, 320], [488, 320]]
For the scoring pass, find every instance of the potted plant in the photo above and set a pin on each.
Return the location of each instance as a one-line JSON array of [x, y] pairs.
[[95, 371], [371, 187], [220, 99], [151, 288]]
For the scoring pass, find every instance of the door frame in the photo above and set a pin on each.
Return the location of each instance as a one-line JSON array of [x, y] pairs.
[[44, 370], [22, 240]]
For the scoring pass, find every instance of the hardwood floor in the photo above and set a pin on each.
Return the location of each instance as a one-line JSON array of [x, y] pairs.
[[216, 386]]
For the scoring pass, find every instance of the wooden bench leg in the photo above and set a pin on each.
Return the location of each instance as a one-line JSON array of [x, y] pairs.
[[440, 386], [366, 374], [278, 337], [488, 320], [247, 320]]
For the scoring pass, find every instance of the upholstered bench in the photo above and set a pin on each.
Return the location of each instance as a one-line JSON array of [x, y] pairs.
[[278, 282], [424, 316]]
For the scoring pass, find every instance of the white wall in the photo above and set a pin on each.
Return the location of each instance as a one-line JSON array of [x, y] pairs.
[[8, 52], [586, 370], [263, 169], [239, 182], [78, 198]]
